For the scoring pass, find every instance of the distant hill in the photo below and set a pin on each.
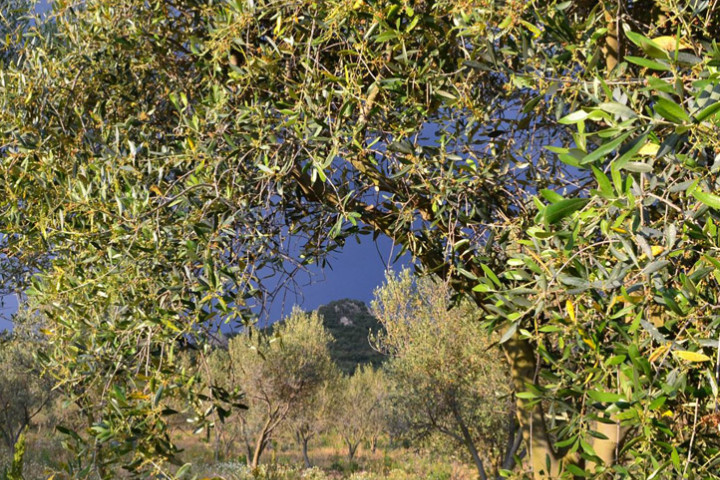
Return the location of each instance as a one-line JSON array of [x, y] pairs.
[[350, 322]]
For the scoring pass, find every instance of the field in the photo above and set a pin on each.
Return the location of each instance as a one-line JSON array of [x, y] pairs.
[[283, 462], [330, 461]]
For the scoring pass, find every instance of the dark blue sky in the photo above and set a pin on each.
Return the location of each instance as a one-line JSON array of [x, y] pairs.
[[354, 272]]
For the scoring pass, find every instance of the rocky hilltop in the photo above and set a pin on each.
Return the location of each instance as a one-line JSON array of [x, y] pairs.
[[351, 323]]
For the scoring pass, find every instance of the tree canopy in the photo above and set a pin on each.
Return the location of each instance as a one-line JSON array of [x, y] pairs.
[[447, 379], [279, 373], [160, 161]]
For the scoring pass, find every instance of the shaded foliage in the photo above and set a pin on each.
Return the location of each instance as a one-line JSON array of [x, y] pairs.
[[351, 324]]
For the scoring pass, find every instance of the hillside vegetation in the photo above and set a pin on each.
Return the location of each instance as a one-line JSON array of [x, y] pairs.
[[351, 324]]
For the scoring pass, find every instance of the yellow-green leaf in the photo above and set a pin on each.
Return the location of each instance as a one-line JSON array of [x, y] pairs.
[[571, 310], [669, 43], [649, 149], [693, 357]]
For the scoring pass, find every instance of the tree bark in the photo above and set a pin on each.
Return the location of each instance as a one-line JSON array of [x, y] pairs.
[[542, 457], [513, 444], [606, 449], [613, 48], [246, 440], [304, 443], [352, 448], [259, 449], [261, 443], [470, 444]]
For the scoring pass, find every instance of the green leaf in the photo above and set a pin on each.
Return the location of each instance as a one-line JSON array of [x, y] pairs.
[[638, 167], [587, 448], [526, 395], [706, 112], [653, 331], [551, 196], [509, 333], [490, 274], [402, 146], [574, 117], [635, 146], [482, 288], [557, 211], [675, 458], [618, 109], [713, 260], [655, 266], [709, 199], [671, 111], [660, 85], [529, 106], [672, 304], [668, 145], [567, 442], [386, 35], [651, 64], [604, 397], [650, 47], [604, 185], [577, 471], [569, 159], [604, 149], [657, 403]]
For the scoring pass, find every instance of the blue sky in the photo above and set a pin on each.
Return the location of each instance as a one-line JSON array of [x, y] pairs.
[[7, 308], [355, 272]]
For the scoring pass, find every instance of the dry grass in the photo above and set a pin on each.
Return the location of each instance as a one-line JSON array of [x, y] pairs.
[[284, 458], [329, 455]]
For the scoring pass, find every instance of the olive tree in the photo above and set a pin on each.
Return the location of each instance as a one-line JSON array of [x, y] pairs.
[[166, 159], [357, 401], [313, 416], [447, 376], [279, 371]]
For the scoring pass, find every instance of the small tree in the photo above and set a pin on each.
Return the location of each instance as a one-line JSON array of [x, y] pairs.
[[378, 388], [447, 379], [279, 371], [358, 401], [23, 392], [312, 417]]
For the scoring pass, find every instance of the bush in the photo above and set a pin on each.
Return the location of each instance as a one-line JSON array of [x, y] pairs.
[[314, 473], [239, 471], [16, 469], [362, 476]]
